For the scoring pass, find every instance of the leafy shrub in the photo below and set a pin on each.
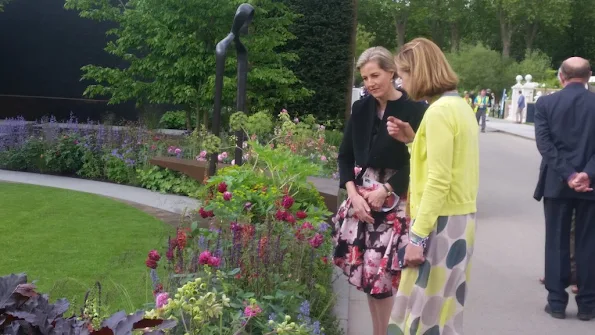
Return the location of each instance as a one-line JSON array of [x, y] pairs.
[[167, 181], [174, 120], [119, 169], [24, 311], [65, 156]]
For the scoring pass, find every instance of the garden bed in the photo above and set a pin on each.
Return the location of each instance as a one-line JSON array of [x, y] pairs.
[[197, 170]]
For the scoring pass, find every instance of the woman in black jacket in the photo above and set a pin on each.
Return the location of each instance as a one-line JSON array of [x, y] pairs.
[[372, 224]]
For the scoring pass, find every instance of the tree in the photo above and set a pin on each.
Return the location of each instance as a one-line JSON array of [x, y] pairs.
[[544, 13], [169, 51], [470, 63]]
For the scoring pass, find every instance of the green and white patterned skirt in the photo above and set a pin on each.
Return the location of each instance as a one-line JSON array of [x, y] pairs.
[[431, 297]]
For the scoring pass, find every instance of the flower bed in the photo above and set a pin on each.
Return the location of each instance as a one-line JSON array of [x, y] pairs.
[[122, 154], [262, 266]]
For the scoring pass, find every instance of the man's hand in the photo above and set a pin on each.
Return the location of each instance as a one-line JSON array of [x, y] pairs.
[[414, 255], [581, 183], [399, 130], [376, 198]]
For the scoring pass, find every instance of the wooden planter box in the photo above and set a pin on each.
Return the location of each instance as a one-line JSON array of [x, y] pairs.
[[328, 188]]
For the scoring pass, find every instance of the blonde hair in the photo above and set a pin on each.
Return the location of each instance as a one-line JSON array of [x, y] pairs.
[[431, 74], [381, 56]]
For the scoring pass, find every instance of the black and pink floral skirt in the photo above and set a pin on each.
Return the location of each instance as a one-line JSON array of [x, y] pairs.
[[367, 253]]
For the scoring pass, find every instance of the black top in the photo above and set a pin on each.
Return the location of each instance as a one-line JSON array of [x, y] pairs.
[[366, 142]]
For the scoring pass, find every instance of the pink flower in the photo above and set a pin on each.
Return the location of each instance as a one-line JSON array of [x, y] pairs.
[[233, 162], [323, 158], [284, 111], [224, 155], [222, 187], [227, 196], [317, 240], [321, 127], [287, 202], [170, 254], [220, 158], [161, 300], [204, 257], [214, 261], [171, 149], [203, 214], [154, 255], [252, 311], [178, 151], [203, 154]]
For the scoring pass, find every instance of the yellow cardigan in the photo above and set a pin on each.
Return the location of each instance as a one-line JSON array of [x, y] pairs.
[[444, 164]]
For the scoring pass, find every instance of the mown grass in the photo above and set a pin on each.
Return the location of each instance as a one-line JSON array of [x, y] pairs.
[[67, 241]]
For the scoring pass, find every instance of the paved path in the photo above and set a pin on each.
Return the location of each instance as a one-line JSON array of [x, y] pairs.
[[512, 128], [505, 297], [166, 202]]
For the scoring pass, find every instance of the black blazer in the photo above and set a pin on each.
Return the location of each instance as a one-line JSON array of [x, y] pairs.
[[565, 136], [386, 152]]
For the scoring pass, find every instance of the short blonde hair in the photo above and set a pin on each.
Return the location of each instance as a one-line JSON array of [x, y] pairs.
[[431, 74], [381, 56]]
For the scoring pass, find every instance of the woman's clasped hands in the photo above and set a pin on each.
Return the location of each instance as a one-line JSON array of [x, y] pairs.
[[400, 130]]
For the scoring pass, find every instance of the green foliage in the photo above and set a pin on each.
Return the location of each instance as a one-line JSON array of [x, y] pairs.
[[174, 120], [535, 63], [323, 38], [166, 181], [479, 67], [65, 156], [169, 48], [118, 171], [93, 166]]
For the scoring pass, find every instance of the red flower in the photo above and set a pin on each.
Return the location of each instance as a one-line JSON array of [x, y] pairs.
[[290, 219], [316, 241], [151, 263], [262, 246], [324, 260], [170, 254], [154, 255], [203, 214], [299, 235], [214, 261], [181, 239], [287, 202], [307, 225], [227, 196], [280, 215], [205, 257], [301, 215], [222, 187]]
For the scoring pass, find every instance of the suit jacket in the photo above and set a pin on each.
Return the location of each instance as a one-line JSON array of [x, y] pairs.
[[565, 137], [357, 149]]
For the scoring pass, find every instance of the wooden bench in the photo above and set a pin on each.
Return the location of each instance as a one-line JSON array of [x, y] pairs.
[[328, 188]]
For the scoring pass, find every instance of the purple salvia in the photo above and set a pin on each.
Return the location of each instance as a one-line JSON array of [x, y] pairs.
[[154, 278]]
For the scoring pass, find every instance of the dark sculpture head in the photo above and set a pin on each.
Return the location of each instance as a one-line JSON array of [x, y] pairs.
[[242, 20]]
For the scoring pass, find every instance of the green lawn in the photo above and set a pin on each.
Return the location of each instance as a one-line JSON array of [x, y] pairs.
[[68, 240]]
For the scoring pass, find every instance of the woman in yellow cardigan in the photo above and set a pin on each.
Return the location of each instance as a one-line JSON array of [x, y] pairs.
[[443, 191]]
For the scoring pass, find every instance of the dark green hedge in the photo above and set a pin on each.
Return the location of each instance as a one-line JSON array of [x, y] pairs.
[[322, 43]]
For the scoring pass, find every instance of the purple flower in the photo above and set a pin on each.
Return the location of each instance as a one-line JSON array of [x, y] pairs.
[[323, 227]]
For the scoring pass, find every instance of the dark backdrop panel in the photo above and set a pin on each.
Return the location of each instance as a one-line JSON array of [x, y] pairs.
[[42, 48]]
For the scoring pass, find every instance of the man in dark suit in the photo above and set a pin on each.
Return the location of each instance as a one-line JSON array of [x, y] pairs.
[[565, 136]]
